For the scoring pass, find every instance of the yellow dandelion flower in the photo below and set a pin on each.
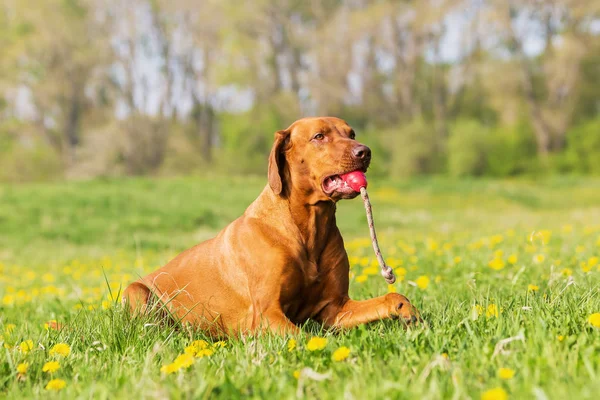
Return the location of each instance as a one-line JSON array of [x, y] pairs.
[[60, 349], [567, 272], [340, 354], [498, 254], [560, 338], [9, 328], [457, 259], [594, 320], [494, 394], [496, 264], [496, 239], [361, 278], [296, 374], [22, 368], [392, 288], [220, 343], [476, 311], [373, 270], [168, 369], [8, 299], [184, 361], [513, 259], [291, 345], [422, 282], [593, 261], [432, 245], [26, 346], [204, 353], [316, 343], [56, 384], [546, 236], [533, 288], [199, 344], [539, 258], [393, 262], [506, 373], [492, 311], [51, 367], [585, 267]]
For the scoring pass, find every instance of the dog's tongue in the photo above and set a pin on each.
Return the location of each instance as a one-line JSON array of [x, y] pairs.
[[355, 179]]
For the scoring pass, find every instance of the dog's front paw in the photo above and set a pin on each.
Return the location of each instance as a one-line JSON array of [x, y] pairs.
[[403, 309]]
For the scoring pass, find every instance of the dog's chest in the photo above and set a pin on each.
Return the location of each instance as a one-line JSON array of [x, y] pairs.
[[310, 272], [303, 294]]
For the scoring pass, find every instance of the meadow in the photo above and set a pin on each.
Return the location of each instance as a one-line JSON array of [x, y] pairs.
[[506, 275]]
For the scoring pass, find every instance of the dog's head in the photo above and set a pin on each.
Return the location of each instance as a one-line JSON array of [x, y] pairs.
[[312, 155]]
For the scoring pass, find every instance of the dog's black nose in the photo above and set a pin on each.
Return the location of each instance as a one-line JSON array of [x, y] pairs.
[[361, 152]]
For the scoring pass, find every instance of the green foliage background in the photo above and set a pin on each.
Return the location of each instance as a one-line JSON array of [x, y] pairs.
[[152, 87]]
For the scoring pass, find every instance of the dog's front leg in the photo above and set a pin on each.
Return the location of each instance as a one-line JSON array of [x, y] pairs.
[[343, 312], [350, 313]]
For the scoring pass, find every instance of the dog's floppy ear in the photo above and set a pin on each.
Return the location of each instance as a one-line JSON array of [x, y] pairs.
[[277, 160]]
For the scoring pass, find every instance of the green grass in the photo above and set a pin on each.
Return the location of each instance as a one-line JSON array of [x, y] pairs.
[[65, 246]]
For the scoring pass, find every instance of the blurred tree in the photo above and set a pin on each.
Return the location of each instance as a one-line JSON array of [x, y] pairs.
[[61, 54], [548, 79]]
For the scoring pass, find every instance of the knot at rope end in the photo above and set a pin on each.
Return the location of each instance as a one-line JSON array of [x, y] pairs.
[[388, 274]]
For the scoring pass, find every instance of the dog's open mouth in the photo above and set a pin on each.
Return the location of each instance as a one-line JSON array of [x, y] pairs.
[[346, 184]]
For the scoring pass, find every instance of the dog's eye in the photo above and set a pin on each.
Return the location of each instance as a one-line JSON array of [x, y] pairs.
[[319, 136], [352, 135]]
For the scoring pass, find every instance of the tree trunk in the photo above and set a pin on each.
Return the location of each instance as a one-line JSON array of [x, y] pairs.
[[404, 51], [208, 122], [72, 123], [439, 93], [543, 134]]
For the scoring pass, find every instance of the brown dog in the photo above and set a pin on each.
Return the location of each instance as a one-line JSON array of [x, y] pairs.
[[283, 261]]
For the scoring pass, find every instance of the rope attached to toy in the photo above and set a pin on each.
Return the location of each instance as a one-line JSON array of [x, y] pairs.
[[386, 271]]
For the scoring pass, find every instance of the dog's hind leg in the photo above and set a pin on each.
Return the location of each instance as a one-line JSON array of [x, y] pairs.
[[136, 296]]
